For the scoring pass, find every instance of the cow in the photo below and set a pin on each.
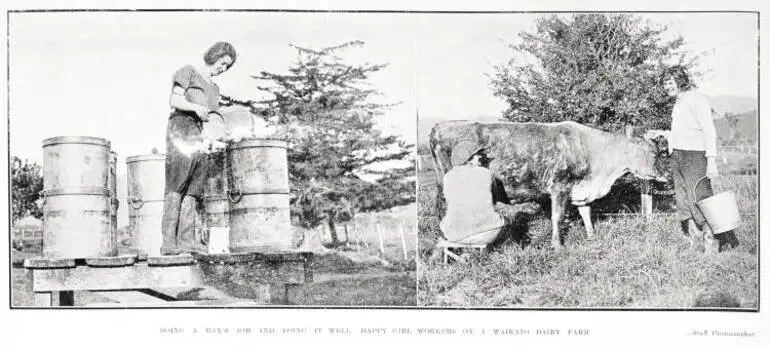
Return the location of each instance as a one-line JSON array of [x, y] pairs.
[[566, 161]]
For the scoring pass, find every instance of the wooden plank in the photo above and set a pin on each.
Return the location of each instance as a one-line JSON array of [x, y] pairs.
[[48, 263], [178, 260], [116, 261], [184, 303], [132, 277]]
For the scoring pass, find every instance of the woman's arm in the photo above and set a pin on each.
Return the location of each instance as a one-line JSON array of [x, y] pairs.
[[178, 101], [702, 112]]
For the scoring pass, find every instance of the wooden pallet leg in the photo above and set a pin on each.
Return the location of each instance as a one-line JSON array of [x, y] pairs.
[[279, 293], [293, 291], [454, 256], [44, 299], [446, 255], [66, 298]]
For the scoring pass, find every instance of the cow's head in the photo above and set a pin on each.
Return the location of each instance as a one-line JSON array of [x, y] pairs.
[[649, 159]]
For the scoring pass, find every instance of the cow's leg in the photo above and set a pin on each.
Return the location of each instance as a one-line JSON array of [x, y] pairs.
[[558, 205], [585, 214]]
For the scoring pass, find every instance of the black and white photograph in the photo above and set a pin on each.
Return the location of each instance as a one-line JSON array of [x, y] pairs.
[[159, 162], [407, 172], [590, 160]]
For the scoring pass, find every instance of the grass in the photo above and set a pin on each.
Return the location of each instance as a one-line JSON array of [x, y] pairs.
[[635, 262]]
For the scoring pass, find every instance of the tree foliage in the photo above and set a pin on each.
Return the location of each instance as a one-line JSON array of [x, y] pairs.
[[596, 69], [324, 105], [26, 184]]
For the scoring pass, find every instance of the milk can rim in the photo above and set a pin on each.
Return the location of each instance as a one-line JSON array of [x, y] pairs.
[[76, 140], [77, 191], [149, 157], [260, 142]]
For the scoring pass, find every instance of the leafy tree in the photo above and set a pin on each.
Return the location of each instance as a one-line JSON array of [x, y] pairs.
[[325, 107], [26, 184], [596, 69]]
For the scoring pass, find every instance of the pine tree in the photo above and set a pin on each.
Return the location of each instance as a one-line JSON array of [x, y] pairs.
[[325, 106]]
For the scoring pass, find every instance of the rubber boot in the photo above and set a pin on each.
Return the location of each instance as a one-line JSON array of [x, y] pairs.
[[685, 224], [172, 203], [190, 226], [727, 240]]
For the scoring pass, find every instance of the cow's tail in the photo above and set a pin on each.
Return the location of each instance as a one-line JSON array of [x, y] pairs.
[[439, 169], [435, 152]]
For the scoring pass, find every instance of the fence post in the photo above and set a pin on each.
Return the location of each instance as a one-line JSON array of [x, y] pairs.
[[382, 246], [403, 241], [645, 198]]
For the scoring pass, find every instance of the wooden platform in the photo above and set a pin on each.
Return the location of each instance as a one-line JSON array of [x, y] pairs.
[[54, 281]]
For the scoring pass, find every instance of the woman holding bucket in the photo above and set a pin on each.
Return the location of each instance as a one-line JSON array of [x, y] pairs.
[[194, 98], [692, 144]]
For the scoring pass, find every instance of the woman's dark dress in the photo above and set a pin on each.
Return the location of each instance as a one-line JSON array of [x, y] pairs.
[[185, 174]]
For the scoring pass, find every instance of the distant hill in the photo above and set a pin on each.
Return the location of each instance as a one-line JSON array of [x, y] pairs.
[[732, 104]]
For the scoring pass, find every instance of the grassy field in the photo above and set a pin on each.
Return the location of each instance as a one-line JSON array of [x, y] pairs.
[[635, 262], [395, 227]]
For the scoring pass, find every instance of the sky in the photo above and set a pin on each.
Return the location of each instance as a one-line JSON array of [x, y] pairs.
[[108, 74]]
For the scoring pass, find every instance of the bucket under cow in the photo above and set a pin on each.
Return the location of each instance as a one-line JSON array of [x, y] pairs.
[[76, 198], [258, 190], [720, 210], [146, 182]]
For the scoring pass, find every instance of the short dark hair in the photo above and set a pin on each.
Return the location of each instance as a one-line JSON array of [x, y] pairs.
[[218, 51], [680, 75]]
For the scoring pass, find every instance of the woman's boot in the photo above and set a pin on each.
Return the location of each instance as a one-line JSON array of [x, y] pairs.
[[172, 203], [190, 226]]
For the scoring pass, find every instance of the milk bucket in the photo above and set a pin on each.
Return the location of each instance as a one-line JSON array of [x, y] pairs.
[[720, 210], [76, 198], [145, 186], [258, 190]]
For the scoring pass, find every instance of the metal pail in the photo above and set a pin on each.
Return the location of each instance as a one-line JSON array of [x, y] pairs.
[[720, 210]]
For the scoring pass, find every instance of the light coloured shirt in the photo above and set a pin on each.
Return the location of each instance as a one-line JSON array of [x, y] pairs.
[[470, 208], [692, 127]]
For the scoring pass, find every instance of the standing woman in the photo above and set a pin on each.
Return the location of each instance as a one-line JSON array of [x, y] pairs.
[[194, 97], [692, 144]]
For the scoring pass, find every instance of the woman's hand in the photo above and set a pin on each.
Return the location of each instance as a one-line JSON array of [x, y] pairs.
[[201, 111], [711, 167]]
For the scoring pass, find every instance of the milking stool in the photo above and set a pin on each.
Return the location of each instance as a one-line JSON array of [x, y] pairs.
[[447, 253]]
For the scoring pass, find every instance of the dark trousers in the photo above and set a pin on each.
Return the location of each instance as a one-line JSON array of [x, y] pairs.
[[688, 167]]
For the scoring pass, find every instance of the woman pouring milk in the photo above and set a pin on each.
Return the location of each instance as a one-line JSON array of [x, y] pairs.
[[194, 99]]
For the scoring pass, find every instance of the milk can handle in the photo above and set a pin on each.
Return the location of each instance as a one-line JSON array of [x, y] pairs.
[[135, 202], [237, 193], [695, 187], [42, 195], [233, 194]]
